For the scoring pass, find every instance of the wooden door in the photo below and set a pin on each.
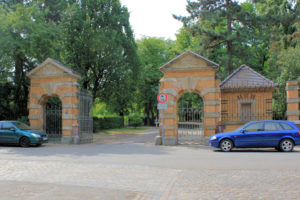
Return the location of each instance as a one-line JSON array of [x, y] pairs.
[[246, 112]]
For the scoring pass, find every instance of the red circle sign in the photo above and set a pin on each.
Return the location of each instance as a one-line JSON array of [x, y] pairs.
[[162, 97]]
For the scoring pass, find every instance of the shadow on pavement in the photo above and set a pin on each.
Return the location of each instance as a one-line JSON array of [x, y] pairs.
[[256, 150]]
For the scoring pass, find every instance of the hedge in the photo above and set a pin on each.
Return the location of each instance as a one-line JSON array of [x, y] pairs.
[[135, 120], [107, 123]]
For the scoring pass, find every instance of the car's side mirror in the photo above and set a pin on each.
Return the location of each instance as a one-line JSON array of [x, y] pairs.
[[243, 131], [12, 129]]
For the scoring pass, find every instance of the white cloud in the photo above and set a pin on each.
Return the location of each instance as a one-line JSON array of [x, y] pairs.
[[154, 17]]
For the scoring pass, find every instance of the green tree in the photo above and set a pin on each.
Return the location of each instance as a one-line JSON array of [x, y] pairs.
[[25, 40], [54, 9], [185, 41], [281, 26], [212, 20], [283, 18], [99, 44], [153, 53], [224, 30]]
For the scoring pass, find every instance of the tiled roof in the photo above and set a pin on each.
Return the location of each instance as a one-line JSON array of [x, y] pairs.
[[245, 77]]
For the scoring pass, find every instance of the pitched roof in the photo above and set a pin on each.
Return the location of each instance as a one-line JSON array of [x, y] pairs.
[[245, 77], [211, 63], [57, 64]]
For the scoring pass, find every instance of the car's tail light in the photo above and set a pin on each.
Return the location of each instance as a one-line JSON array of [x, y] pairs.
[[299, 132]]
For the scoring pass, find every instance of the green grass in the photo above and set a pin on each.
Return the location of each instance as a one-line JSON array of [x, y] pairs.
[[123, 130]]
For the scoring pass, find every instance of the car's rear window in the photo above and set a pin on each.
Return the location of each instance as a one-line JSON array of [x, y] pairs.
[[297, 124], [286, 126]]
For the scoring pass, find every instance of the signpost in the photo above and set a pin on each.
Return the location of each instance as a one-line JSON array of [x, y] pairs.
[[162, 105]]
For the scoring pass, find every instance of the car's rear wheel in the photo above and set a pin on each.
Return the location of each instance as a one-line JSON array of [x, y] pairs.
[[286, 145], [24, 142], [226, 145]]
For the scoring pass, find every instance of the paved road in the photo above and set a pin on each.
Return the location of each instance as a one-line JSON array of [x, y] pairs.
[[132, 170], [146, 136]]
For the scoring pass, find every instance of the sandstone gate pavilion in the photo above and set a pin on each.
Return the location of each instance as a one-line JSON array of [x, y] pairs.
[[49, 79]]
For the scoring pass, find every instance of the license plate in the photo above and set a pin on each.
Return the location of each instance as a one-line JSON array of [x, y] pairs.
[[45, 138]]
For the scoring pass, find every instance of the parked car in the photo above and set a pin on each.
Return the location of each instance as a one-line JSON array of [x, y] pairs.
[[283, 135], [14, 132], [297, 123]]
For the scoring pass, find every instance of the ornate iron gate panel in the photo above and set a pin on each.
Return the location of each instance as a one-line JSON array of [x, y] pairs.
[[53, 125], [85, 118], [190, 124]]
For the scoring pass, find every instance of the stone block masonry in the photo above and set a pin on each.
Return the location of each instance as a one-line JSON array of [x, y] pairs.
[[292, 93]]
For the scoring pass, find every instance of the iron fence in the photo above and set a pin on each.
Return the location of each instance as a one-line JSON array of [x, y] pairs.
[[53, 125], [85, 118], [190, 124]]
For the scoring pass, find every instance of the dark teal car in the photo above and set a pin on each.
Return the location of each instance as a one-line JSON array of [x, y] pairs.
[[14, 132]]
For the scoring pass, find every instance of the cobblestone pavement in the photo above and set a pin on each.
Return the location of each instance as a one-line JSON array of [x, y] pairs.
[[144, 171]]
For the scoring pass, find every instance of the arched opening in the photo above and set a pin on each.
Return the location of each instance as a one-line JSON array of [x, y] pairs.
[[53, 118], [190, 118]]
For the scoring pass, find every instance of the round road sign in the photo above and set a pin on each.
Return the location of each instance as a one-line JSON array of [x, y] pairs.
[[162, 97]]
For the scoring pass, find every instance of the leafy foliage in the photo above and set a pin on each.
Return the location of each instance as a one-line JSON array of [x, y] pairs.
[[25, 40], [190, 100], [93, 37], [135, 120], [99, 44], [153, 53]]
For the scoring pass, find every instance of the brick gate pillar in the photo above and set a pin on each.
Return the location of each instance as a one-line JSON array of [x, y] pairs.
[[170, 114], [292, 90]]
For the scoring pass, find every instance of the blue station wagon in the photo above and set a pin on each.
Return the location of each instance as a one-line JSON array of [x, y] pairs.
[[282, 135], [14, 132]]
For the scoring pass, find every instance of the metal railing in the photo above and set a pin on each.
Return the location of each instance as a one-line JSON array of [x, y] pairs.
[[85, 118], [53, 125]]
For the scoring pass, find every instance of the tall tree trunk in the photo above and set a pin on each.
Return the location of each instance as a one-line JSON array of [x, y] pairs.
[[86, 81], [229, 42], [95, 88], [18, 81]]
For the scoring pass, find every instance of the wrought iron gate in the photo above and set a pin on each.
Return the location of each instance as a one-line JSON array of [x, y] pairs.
[[53, 125], [190, 124], [85, 118]]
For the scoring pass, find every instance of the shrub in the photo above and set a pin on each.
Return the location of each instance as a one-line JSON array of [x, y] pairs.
[[135, 120], [126, 120], [107, 122]]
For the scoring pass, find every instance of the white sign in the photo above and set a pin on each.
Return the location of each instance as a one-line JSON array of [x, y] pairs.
[[162, 106]]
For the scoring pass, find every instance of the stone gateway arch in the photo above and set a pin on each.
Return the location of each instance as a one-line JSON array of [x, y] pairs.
[[53, 79], [190, 72]]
